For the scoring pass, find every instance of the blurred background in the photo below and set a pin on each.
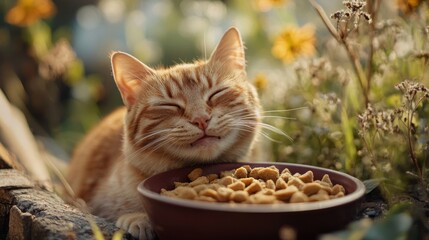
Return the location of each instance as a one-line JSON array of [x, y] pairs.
[[54, 63]]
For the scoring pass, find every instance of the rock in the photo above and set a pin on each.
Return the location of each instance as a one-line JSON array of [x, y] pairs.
[[30, 213]]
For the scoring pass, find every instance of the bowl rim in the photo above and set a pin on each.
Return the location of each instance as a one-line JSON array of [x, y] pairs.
[[260, 208]]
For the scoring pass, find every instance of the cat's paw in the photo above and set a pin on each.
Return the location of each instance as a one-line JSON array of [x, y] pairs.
[[137, 224]]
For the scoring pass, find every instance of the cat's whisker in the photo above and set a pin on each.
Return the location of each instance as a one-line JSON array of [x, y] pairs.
[[285, 110], [270, 116], [251, 129], [153, 133], [270, 128]]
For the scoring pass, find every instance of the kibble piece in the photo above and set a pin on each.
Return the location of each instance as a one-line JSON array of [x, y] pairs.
[[311, 188], [247, 167], [238, 185], [199, 188], [212, 177], [286, 176], [198, 181], [280, 184], [268, 173], [186, 192], [205, 199], [296, 182], [224, 194], [194, 174], [227, 173], [209, 193], [226, 180], [262, 199], [286, 170], [240, 172], [327, 180], [285, 194], [180, 184], [253, 188], [239, 196], [338, 188], [320, 196], [307, 177], [254, 173], [247, 181], [298, 197], [270, 184], [339, 194]]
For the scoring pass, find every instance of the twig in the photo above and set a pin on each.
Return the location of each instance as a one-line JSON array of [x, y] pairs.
[[357, 67]]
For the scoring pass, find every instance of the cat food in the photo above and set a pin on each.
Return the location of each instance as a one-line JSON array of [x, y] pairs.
[[259, 185]]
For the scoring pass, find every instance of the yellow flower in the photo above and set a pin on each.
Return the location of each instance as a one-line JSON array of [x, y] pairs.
[[293, 42], [407, 6], [260, 81], [27, 12], [265, 5]]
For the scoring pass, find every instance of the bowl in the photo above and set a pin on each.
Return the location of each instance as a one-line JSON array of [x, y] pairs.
[[174, 218]]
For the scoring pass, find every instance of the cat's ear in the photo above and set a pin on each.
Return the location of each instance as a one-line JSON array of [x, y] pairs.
[[229, 51], [129, 74]]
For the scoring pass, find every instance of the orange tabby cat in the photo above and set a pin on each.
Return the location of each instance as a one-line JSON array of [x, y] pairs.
[[203, 112]]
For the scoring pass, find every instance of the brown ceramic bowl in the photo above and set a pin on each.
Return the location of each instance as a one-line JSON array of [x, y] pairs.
[[187, 219]]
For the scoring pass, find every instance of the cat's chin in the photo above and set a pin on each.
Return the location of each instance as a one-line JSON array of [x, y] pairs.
[[205, 142]]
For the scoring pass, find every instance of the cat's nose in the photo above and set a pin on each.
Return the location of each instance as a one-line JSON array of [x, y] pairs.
[[201, 122]]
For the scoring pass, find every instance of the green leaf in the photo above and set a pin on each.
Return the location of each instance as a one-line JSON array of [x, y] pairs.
[[393, 227]]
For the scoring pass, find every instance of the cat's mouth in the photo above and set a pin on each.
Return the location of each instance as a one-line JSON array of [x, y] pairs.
[[205, 140]]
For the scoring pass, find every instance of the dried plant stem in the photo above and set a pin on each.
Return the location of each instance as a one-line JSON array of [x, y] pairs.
[[357, 67], [411, 147], [373, 7]]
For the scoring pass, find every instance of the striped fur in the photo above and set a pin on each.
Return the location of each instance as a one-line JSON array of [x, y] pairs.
[[188, 114]]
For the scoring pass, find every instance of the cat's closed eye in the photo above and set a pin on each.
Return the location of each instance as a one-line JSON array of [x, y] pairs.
[[170, 106], [216, 94]]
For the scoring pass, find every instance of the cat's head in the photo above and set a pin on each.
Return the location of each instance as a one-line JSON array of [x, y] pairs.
[[200, 112]]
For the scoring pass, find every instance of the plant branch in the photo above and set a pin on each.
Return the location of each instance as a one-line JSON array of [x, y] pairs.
[[357, 67]]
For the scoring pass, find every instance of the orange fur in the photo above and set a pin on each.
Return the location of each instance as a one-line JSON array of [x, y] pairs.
[[189, 114]]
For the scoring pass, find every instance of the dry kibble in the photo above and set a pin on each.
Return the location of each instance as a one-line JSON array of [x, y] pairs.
[[262, 199], [209, 193], [186, 192], [226, 180], [338, 188], [311, 188], [298, 197], [254, 173], [224, 194], [296, 182], [198, 181], [260, 185], [240, 172], [212, 177], [253, 188], [268, 173], [285, 194], [247, 167], [239, 196], [206, 199], [280, 184], [307, 177], [229, 173], [320, 196], [194, 174], [286, 176], [238, 185], [327, 180], [270, 184]]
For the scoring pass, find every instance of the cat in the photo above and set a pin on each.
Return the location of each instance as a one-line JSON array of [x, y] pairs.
[[196, 113]]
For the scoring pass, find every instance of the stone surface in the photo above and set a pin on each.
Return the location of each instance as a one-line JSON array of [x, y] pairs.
[[31, 213]]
